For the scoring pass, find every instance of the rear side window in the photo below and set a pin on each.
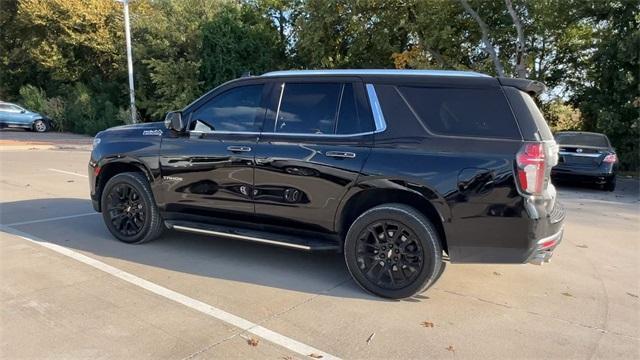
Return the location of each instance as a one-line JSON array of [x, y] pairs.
[[320, 109], [462, 112]]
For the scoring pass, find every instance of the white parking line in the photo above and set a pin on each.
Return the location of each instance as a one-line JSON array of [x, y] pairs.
[[50, 219], [68, 173], [245, 325]]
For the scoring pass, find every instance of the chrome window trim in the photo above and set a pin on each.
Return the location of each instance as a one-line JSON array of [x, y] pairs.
[[356, 72], [275, 122], [374, 103], [378, 116]]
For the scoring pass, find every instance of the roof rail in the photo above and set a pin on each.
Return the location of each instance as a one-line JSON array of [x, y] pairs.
[[531, 87], [374, 72]]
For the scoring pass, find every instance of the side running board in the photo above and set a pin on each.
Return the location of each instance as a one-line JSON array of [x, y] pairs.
[[264, 237]]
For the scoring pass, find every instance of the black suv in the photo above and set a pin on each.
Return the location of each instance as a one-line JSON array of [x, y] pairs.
[[390, 167]]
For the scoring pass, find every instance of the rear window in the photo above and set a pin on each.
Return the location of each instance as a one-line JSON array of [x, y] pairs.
[[462, 112], [597, 140], [532, 122]]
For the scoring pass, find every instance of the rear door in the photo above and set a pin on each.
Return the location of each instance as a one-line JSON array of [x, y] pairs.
[[311, 151], [209, 172]]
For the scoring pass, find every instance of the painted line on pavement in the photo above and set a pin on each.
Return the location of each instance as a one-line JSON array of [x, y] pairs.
[[68, 173], [243, 324], [50, 219]]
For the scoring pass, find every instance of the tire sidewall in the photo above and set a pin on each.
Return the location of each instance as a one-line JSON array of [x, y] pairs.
[[424, 231], [135, 181], [35, 127]]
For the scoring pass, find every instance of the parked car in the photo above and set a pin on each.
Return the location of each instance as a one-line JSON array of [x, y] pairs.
[[15, 116], [586, 157], [389, 167]]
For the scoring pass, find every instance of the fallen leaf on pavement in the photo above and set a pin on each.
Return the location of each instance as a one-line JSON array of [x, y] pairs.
[[632, 295], [450, 348], [315, 356], [427, 324], [496, 273], [582, 246], [251, 341], [567, 294], [370, 338]]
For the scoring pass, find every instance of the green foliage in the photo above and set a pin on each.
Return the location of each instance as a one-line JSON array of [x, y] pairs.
[[609, 99], [238, 41], [33, 98], [67, 58], [562, 117]]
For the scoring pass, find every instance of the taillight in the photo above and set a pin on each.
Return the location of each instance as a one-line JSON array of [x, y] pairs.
[[531, 168], [611, 158]]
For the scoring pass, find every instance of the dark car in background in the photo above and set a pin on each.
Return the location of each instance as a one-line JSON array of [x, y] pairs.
[[586, 157], [15, 116]]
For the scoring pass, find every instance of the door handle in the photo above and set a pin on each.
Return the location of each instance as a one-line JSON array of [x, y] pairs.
[[238, 148], [341, 154]]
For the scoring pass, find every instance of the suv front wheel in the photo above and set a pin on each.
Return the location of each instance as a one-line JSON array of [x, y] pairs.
[[129, 210], [393, 251]]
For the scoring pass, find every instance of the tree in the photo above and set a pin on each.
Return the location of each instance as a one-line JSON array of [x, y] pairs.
[[237, 41], [608, 97]]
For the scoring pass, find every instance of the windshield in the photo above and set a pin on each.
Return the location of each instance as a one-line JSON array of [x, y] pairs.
[[597, 140]]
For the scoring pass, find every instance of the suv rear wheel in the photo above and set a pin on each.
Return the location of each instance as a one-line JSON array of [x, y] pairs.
[[394, 251], [129, 210]]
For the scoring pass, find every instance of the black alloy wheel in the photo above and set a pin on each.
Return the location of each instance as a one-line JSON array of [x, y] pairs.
[[126, 209], [389, 254], [393, 251], [129, 209]]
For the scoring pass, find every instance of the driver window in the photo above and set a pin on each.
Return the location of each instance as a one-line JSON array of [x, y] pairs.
[[236, 110]]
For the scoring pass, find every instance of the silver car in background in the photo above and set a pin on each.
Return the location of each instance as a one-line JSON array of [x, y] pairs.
[[15, 116]]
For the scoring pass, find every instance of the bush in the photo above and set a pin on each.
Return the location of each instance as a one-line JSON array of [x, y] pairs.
[[33, 98], [88, 113], [562, 116]]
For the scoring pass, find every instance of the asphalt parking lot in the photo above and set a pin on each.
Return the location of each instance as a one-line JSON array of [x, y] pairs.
[[70, 290]]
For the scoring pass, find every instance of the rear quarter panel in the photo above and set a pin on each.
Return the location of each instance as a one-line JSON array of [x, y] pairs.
[[471, 184]]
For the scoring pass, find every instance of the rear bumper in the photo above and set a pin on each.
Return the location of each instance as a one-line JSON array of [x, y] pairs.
[[598, 175], [543, 251]]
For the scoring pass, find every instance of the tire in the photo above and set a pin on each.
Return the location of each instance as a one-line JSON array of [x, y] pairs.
[[610, 185], [395, 235], [40, 126], [129, 209]]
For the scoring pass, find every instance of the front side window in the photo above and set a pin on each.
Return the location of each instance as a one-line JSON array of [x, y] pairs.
[[236, 110]]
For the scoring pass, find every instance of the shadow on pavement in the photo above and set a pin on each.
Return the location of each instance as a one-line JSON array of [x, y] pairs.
[[315, 273]]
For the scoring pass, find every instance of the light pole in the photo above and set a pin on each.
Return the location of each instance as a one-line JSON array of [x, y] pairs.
[[127, 34]]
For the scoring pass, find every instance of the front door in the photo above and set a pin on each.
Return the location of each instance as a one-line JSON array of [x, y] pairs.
[[311, 151], [209, 172]]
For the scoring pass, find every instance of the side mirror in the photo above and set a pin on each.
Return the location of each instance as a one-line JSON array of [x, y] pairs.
[[23, 111], [173, 121]]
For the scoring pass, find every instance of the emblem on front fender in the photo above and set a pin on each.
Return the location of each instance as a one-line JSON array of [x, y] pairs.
[[156, 132]]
